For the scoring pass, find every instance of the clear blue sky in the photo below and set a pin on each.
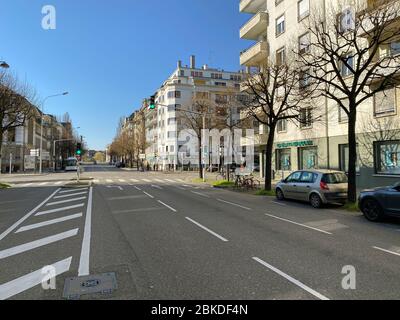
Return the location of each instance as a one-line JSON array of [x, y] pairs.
[[109, 54]]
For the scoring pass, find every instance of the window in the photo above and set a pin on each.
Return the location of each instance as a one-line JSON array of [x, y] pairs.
[[216, 75], [282, 125], [334, 178], [172, 148], [221, 84], [174, 94], [305, 78], [395, 48], [280, 56], [304, 43], [385, 101], [280, 25], [344, 158], [308, 177], [387, 157], [294, 177], [346, 64], [308, 158], [342, 115], [182, 73], [171, 121], [346, 20], [305, 117], [202, 95], [171, 134], [221, 98], [283, 157], [197, 74], [303, 7], [236, 78]]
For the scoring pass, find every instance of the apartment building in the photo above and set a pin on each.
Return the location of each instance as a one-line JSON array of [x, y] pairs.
[[163, 124], [274, 29]]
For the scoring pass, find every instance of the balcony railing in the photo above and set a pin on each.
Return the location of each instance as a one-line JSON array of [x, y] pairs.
[[255, 26], [252, 6], [255, 55]]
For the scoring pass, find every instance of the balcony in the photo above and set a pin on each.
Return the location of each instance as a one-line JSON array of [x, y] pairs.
[[252, 6], [255, 26], [255, 55]]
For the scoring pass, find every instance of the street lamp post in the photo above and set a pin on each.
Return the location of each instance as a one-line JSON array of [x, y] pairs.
[[41, 129]]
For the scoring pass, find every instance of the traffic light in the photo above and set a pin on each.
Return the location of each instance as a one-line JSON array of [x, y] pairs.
[[79, 149], [152, 104]]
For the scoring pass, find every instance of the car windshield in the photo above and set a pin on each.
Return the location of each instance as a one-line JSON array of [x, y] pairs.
[[334, 178], [71, 163]]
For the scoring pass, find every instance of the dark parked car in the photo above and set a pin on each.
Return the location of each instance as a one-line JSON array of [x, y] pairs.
[[380, 202], [120, 164]]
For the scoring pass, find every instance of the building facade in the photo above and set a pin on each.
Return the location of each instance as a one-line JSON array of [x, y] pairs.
[[274, 27], [163, 124]]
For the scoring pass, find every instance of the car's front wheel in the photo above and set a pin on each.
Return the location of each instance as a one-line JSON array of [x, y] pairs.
[[279, 194], [372, 210], [315, 201]]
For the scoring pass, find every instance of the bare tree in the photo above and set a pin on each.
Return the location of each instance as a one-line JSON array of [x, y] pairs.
[[15, 107], [275, 93], [346, 58]]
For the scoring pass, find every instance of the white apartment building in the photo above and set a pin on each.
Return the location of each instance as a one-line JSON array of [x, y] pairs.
[[163, 124], [274, 28]]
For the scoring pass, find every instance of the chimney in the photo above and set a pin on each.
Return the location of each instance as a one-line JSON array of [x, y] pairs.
[[192, 62], [179, 64]]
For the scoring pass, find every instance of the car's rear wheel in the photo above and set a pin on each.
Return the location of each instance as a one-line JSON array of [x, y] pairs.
[[315, 201], [279, 194], [372, 210]]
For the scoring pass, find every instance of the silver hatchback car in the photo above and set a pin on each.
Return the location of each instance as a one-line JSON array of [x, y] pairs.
[[318, 187]]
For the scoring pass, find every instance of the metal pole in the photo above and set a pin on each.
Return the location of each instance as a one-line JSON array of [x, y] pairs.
[[203, 149], [41, 144], [11, 163]]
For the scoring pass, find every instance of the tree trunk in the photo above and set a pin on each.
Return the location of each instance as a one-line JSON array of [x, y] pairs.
[[352, 174], [268, 158], [1, 143]]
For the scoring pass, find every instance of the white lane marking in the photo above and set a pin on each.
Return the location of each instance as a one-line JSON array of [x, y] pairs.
[[280, 203], [73, 190], [159, 180], [165, 205], [208, 230], [64, 201], [26, 185], [31, 280], [37, 243], [291, 279], [96, 181], [169, 180], [59, 209], [387, 251], [147, 194], [181, 180], [122, 180], [109, 180], [299, 224], [43, 183], [134, 180], [155, 186], [85, 253], [234, 204], [58, 183], [49, 222], [146, 180], [70, 195], [16, 225], [201, 194], [137, 188]]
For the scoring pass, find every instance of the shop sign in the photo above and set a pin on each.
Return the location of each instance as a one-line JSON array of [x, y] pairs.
[[303, 143]]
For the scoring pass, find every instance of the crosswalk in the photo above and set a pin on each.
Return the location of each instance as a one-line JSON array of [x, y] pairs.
[[48, 219], [104, 181]]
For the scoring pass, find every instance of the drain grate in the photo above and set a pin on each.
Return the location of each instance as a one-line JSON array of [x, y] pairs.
[[76, 287]]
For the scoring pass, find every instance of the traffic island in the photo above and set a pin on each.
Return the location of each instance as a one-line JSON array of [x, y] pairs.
[[4, 185]]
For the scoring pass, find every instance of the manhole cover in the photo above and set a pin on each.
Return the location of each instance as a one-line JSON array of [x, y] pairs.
[[76, 287]]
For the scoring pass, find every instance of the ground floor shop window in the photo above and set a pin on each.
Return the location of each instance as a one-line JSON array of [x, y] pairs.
[[344, 158], [387, 157], [308, 158], [283, 159]]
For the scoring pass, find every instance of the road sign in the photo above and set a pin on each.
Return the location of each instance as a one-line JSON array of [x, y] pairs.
[[29, 163], [34, 152]]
